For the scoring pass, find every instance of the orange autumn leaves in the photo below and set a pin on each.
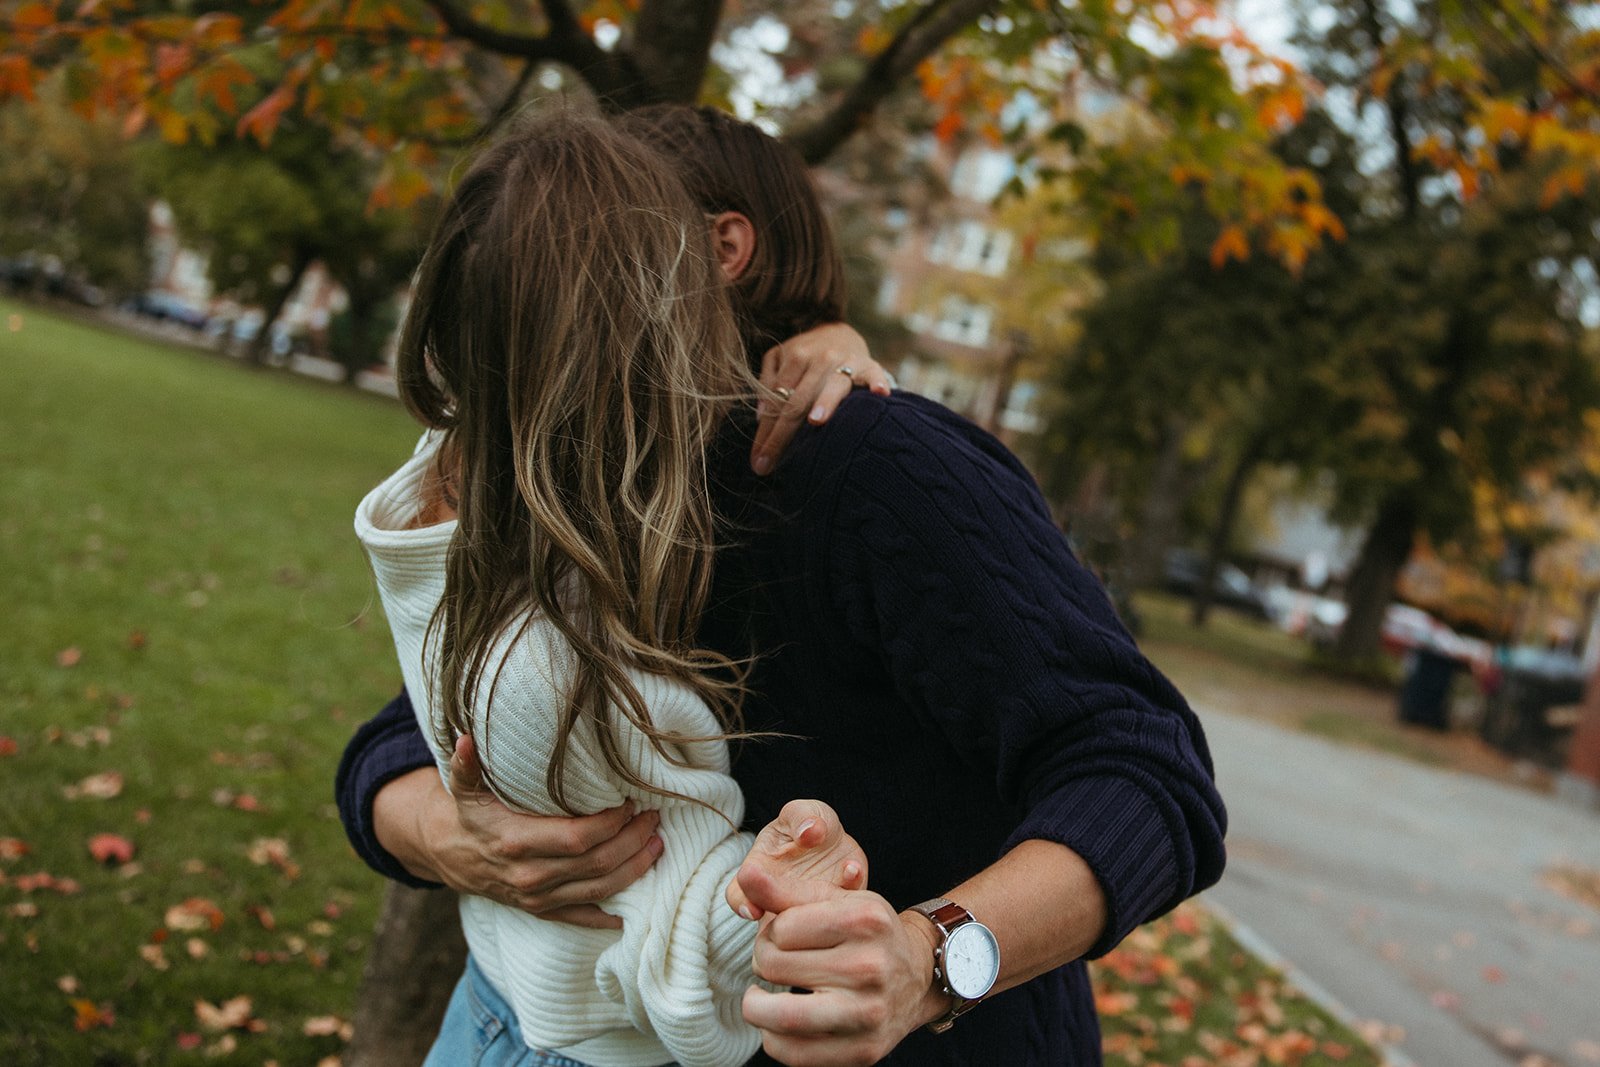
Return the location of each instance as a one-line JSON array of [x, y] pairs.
[[1179, 993]]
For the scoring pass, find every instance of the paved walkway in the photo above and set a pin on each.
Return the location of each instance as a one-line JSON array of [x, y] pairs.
[[1414, 896]]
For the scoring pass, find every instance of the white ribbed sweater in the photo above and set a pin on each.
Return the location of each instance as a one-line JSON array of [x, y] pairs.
[[668, 986]]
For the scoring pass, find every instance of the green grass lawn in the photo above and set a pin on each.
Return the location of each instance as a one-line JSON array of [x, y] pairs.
[[187, 608]]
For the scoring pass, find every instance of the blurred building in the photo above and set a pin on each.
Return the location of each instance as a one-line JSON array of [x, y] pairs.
[[943, 270]]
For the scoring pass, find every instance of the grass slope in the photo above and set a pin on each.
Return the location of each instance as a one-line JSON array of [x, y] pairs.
[[185, 605]]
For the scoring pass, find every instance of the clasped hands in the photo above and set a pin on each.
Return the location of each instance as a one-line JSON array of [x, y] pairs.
[[868, 969]]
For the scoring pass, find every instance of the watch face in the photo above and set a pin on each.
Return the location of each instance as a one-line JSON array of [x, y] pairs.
[[971, 960]]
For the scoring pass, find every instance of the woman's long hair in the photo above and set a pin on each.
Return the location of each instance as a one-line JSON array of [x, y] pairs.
[[571, 335]]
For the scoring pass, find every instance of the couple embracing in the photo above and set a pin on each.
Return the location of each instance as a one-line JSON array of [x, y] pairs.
[[629, 632]]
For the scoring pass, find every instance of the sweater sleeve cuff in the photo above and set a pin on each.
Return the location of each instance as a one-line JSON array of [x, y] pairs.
[[1123, 835], [370, 763]]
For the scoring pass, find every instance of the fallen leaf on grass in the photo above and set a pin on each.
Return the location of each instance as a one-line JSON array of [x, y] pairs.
[[196, 948], [327, 1026], [86, 1015], [196, 913], [273, 850], [8, 746], [68, 984], [23, 909], [226, 1045], [155, 956], [232, 1014], [110, 848], [27, 883], [137, 640], [102, 786], [188, 1041], [69, 657], [13, 848]]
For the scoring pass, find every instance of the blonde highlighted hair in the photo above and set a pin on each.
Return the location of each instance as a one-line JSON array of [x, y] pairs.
[[570, 334]]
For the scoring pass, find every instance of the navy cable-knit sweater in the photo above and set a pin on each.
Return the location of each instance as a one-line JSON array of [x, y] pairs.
[[957, 682]]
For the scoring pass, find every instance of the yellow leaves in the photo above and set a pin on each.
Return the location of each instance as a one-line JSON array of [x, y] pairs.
[[1281, 107], [1231, 243], [1568, 180], [1321, 220], [873, 39], [1502, 119]]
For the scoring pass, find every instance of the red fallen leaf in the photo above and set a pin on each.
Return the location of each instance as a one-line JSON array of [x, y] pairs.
[[8, 746], [142, 816], [332, 910], [110, 848], [13, 848], [1493, 974], [137, 640], [196, 913], [27, 883], [1185, 922], [246, 802], [1335, 1051], [189, 1041], [263, 915], [69, 657], [86, 1015], [158, 935]]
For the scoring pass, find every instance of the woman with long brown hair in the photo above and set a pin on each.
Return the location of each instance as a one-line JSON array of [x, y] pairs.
[[544, 558]]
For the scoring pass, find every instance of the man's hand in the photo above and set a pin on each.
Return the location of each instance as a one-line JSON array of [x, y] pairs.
[[551, 866], [807, 371], [869, 970]]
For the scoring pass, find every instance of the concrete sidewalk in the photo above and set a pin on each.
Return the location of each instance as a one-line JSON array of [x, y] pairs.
[[1414, 896]]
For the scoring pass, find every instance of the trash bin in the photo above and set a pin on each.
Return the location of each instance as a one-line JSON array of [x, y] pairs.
[[1425, 693]]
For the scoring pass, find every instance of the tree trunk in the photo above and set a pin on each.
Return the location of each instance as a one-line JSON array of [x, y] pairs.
[[257, 352], [1222, 530], [1163, 504], [1371, 590], [417, 956]]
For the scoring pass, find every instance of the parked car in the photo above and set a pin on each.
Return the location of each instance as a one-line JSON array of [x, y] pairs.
[[1532, 701], [1405, 630], [166, 307], [1184, 571]]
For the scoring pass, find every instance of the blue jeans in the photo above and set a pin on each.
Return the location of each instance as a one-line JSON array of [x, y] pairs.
[[480, 1030]]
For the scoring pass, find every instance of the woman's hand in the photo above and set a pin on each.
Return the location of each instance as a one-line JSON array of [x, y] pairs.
[[868, 969], [808, 370], [805, 841], [551, 866]]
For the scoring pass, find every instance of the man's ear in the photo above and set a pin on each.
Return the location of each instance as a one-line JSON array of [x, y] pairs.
[[735, 242]]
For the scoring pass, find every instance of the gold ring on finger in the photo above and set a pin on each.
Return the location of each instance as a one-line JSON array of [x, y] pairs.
[[784, 393]]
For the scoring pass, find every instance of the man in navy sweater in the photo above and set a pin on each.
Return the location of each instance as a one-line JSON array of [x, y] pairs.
[[956, 684]]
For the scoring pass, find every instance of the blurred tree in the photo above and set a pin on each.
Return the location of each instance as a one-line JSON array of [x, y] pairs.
[[1459, 339], [265, 213], [69, 193]]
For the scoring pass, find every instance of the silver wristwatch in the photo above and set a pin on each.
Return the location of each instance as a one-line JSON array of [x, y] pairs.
[[966, 961]]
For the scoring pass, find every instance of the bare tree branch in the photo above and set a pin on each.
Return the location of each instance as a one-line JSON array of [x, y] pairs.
[[614, 76], [918, 39]]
